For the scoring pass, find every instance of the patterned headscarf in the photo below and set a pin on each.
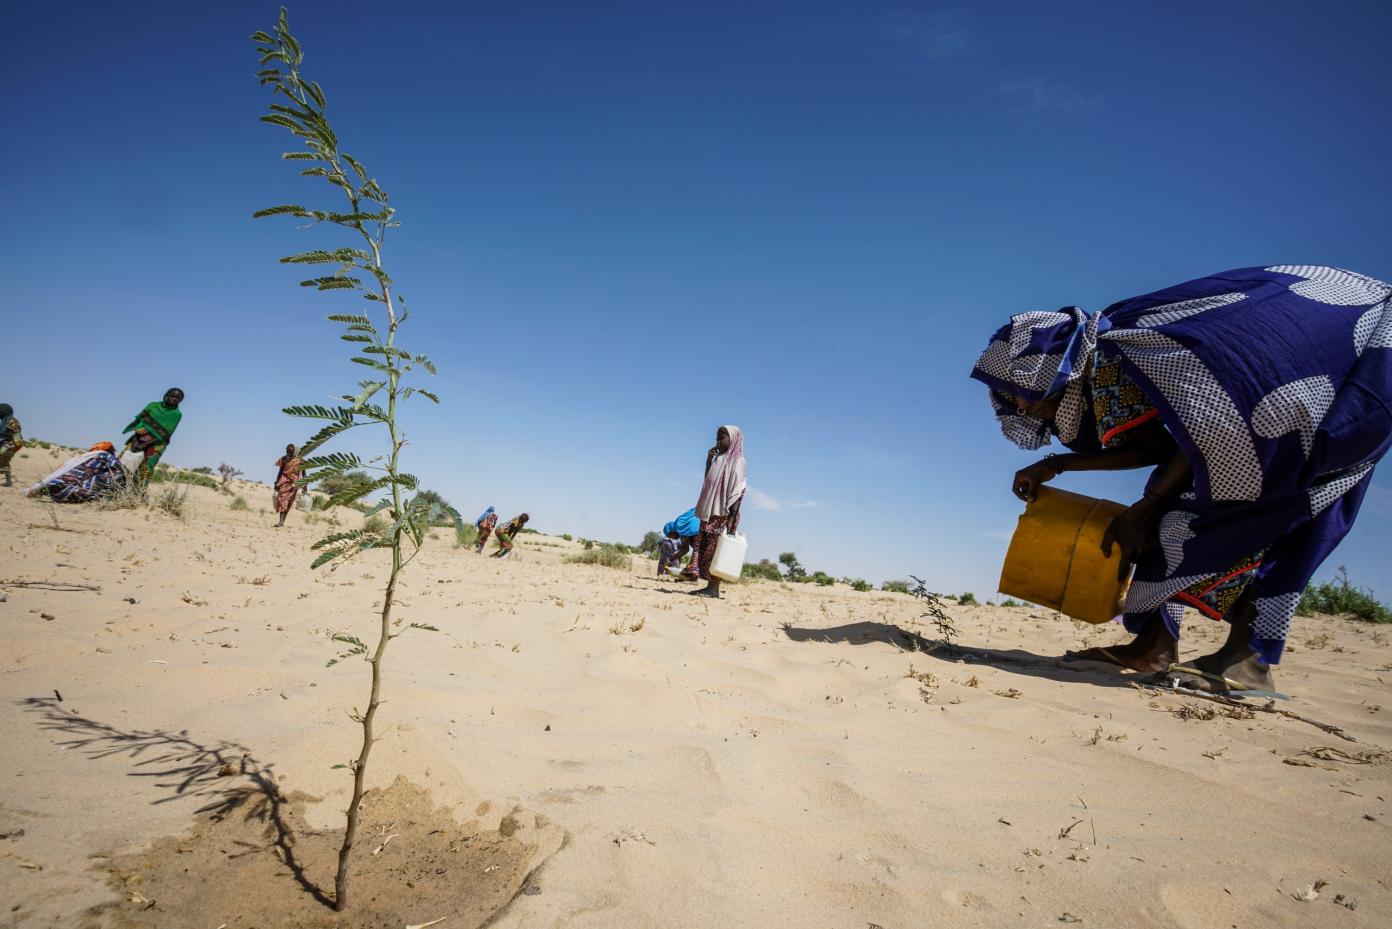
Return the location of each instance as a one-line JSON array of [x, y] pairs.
[[726, 478], [1038, 355]]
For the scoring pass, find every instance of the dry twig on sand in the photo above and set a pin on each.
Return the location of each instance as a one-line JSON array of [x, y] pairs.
[[62, 586], [1268, 707]]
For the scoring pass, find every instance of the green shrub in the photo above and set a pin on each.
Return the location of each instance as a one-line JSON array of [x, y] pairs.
[[764, 570], [566, 536], [967, 599], [438, 511], [239, 504], [204, 469], [861, 585], [465, 536], [528, 530], [898, 587], [822, 579], [587, 543], [375, 524], [1011, 601], [348, 486], [608, 556], [1340, 598]]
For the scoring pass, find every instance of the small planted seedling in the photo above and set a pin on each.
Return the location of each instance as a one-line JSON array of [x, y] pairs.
[[936, 614], [353, 270]]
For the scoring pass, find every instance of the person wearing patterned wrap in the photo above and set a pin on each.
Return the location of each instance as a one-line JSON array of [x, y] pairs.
[[1262, 397], [11, 440], [718, 507], [505, 534], [290, 470]]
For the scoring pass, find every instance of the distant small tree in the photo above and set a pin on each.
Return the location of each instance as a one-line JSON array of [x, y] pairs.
[[202, 469], [651, 541], [789, 560], [345, 487], [898, 587], [430, 501], [967, 599], [228, 472]]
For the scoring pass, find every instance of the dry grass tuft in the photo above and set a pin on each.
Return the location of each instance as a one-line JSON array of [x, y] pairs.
[[606, 556]]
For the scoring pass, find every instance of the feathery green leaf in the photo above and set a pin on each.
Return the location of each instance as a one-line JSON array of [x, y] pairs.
[[286, 209], [353, 163], [314, 411], [277, 119]]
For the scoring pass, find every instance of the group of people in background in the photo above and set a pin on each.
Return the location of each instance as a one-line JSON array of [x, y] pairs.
[[101, 471], [487, 525]]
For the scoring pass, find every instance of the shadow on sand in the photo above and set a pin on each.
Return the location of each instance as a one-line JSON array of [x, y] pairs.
[[1014, 661], [185, 768]]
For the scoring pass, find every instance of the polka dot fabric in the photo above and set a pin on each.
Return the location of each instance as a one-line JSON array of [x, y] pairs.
[[1276, 383]]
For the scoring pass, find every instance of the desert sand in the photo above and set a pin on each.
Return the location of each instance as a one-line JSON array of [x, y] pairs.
[[636, 757]]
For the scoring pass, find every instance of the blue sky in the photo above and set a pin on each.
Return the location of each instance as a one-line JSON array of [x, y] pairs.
[[627, 223]]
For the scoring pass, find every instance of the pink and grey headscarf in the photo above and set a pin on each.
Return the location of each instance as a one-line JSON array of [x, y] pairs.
[[726, 478]]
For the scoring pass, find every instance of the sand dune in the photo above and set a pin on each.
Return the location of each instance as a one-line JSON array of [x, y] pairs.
[[782, 757]]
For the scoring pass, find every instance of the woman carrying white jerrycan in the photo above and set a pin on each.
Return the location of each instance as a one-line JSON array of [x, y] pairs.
[[720, 548]]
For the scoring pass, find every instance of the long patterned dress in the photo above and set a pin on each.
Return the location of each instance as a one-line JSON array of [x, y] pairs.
[[287, 482]]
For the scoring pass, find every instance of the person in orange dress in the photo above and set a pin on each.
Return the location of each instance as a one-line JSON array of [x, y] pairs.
[[287, 482]]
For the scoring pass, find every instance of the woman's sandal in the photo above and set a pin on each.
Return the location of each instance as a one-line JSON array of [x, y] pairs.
[[1107, 657], [1234, 688]]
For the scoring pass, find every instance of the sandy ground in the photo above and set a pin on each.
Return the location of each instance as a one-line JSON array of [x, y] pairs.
[[766, 760]]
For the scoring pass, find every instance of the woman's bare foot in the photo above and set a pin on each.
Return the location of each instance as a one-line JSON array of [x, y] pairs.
[[1245, 671], [1236, 661], [711, 590], [1152, 650]]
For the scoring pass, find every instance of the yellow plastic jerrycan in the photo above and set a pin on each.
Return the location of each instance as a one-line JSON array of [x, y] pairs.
[[1055, 557]]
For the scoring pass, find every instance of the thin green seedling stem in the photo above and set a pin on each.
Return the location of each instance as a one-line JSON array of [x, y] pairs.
[[384, 635], [303, 115]]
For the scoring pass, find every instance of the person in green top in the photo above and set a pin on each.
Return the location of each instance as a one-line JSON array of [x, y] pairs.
[[152, 429]]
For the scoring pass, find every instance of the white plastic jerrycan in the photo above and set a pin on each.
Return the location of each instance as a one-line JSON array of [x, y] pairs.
[[729, 557]]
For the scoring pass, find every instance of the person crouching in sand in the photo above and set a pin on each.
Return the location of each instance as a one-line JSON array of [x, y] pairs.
[[679, 538], [484, 524], [506, 532]]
